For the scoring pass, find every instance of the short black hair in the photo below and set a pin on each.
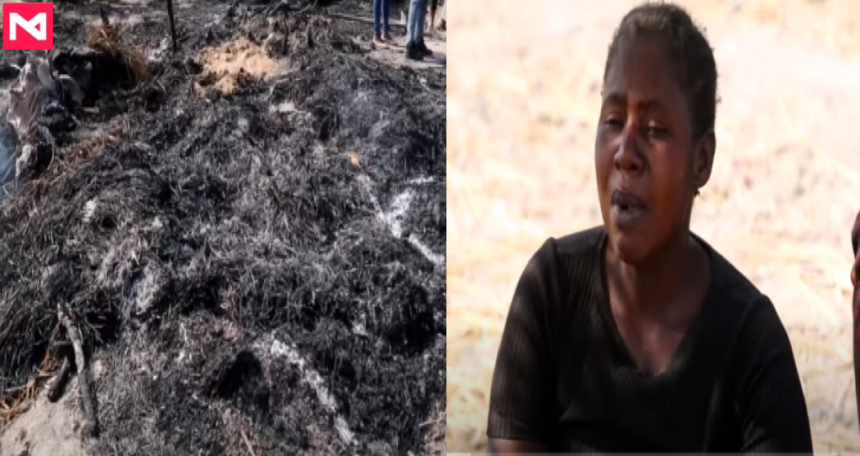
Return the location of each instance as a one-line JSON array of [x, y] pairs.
[[688, 49]]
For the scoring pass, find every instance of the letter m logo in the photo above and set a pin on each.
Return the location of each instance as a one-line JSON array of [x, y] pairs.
[[28, 26]]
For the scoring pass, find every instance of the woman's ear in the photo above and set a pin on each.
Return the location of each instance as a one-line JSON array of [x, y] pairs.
[[703, 160]]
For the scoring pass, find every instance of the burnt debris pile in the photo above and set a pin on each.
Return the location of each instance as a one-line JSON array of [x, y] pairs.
[[257, 263]]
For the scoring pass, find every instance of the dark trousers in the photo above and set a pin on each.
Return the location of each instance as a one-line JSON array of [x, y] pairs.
[[415, 24], [380, 17]]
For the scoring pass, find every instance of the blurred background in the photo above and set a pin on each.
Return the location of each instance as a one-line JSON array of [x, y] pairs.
[[523, 99]]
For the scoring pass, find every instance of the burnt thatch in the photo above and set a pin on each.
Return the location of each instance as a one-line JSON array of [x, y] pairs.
[[265, 268]]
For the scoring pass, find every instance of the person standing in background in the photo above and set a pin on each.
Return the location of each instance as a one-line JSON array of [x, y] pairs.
[[415, 47], [431, 26], [381, 30]]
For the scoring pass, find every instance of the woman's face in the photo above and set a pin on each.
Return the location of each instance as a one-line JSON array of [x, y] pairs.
[[648, 165]]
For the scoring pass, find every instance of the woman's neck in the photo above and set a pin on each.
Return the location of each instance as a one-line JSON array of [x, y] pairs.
[[655, 286]]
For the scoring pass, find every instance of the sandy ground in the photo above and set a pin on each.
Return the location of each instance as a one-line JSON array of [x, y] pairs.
[[46, 428], [522, 105], [394, 53]]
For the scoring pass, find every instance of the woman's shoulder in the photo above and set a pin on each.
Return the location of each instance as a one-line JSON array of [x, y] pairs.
[[741, 304], [560, 260], [730, 285], [762, 375], [580, 246]]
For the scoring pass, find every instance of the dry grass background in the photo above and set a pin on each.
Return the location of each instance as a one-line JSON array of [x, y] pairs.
[[522, 100]]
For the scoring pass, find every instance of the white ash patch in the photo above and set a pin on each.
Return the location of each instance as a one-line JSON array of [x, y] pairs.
[[438, 260], [421, 181], [147, 288], [285, 107], [90, 210], [359, 329], [279, 349], [398, 210], [394, 217]]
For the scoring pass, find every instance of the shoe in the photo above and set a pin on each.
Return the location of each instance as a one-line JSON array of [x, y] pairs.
[[387, 37], [413, 52], [423, 49], [379, 41]]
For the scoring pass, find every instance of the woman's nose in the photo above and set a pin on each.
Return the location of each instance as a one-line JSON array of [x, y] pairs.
[[628, 158]]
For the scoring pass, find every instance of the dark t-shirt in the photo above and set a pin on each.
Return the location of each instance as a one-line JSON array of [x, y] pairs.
[[564, 377]]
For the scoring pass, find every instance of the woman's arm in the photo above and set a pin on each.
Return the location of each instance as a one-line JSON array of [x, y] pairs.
[[772, 407], [520, 401]]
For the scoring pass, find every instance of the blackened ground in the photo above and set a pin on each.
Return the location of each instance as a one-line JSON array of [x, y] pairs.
[[243, 271]]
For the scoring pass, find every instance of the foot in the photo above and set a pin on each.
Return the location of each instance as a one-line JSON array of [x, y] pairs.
[[423, 49], [379, 41], [387, 37], [413, 53]]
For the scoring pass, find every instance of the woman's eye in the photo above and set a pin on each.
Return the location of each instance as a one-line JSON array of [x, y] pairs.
[[614, 122], [654, 130]]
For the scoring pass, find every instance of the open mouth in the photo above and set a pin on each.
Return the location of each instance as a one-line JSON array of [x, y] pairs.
[[628, 209], [626, 200]]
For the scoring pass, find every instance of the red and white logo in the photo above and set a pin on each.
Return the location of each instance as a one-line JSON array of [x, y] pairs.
[[28, 26]]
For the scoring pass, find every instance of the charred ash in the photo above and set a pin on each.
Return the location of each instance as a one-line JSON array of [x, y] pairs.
[[253, 252]]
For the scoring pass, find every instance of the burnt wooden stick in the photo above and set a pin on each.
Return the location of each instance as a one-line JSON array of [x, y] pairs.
[[58, 386], [172, 24], [91, 423]]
